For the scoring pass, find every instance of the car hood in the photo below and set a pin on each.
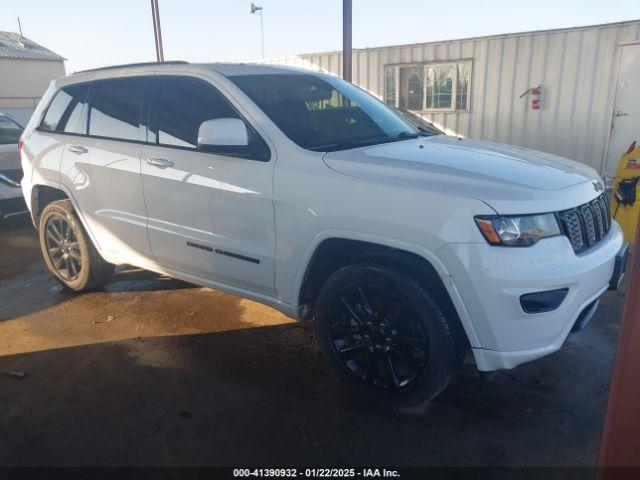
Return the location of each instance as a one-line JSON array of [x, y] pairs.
[[509, 179]]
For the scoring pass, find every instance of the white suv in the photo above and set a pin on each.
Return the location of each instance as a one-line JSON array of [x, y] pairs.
[[301, 191]]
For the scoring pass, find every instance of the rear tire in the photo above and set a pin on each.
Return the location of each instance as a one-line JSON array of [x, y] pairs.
[[68, 251], [385, 336]]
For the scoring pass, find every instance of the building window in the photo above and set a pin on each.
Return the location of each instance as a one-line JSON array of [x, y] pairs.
[[390, 84], [462, 90], [432, 86], [439, 87]]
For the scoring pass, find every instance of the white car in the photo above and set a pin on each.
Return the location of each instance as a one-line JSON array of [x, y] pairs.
[[301, 191], [11, 202]]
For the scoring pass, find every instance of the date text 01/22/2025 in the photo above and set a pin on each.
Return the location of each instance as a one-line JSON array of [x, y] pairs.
[[316, 473]]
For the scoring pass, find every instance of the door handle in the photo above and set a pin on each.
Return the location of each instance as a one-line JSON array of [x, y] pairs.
[[619, 113], [159, 162], [78, 149]]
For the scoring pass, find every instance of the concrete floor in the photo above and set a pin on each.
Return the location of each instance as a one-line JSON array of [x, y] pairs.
[[152, 371]]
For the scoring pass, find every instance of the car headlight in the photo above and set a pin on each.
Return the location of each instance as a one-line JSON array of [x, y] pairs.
[[517, 231]]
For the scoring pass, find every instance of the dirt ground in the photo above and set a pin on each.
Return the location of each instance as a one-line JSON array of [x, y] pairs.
[[152, 371]]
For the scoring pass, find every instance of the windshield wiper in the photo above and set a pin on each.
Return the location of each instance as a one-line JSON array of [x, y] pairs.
[[407, 134], [424, 132], [363, 142]]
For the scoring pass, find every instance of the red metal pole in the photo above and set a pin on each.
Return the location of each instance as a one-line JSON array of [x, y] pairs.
[[346, 39], [157, 32], [155, 29], [161, 50], [620, 444]]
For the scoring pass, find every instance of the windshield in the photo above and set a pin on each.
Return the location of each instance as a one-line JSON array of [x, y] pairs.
[[324, 114], [10, 131]]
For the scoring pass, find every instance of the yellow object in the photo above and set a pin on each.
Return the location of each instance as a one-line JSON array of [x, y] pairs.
[[627, 215]]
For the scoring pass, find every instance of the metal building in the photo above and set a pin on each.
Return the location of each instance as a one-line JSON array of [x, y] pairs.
[[587, 106], [26, 69]]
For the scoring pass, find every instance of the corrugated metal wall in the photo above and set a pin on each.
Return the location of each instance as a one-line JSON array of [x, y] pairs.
[[22, 83], [576, 67]]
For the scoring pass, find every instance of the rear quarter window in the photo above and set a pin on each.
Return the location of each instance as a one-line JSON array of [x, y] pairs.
[[67, 110]]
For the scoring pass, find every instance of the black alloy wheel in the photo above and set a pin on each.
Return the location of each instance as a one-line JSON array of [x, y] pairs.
[[377, 336], [386, 336]]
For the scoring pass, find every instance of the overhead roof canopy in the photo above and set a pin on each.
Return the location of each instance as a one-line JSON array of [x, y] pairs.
[[14, 45]]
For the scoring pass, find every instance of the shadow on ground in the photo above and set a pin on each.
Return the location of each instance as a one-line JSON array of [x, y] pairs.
[[152, 371]]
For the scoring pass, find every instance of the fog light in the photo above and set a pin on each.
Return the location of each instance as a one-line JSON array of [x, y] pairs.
[[540, 302]]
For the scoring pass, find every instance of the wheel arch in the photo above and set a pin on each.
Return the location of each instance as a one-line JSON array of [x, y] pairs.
[[333, 250], [41, 196], [43, 193]]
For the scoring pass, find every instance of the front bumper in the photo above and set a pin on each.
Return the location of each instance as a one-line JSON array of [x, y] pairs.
[[491, 281]]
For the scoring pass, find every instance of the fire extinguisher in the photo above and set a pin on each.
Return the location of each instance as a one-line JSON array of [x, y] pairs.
[[536, 95], [536, 92]]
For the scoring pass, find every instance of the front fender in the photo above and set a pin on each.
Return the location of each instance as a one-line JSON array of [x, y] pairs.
[[396, 244]]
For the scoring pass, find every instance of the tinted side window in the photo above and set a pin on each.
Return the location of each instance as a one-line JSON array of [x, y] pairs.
[[54, 113], [75, 117], [184, 104], [115, 109], [67, 111]]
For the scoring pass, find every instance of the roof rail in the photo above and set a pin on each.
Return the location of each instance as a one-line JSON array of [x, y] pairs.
[[142, 64]]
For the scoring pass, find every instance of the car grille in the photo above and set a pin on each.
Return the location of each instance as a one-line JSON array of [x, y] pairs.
[[586, 224]]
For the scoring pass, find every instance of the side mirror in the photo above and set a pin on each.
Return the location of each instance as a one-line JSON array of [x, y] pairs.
[[229, 136], [222, 132]]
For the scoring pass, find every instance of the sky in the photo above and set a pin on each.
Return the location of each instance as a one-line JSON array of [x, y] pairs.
[[92, 33]]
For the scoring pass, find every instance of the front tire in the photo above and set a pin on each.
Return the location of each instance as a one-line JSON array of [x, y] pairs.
[[385, 336], [67, 249]]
